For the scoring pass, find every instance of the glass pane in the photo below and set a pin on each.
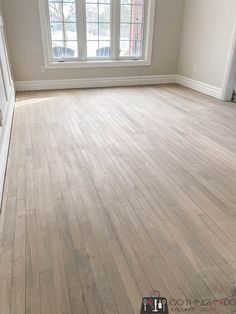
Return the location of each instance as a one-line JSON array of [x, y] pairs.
[[58, 49], [98, 1], [132, 13], [54, 1], [131, 32], [62, 11], [104, 31], [55, 12], [92, 48], [64, 49], [125, 13], [137, 13], [136, 48], [133, 2], [69, 11], [131, 48], [124, 48], [104, 49], [104, 13], [92, 31], [125, 1], [71, 50], [57, 31], [125, 31], [70, 31], [136, 32], [92, 13]]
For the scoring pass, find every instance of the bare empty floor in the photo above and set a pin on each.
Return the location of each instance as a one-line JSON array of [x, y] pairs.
[[111, 193]]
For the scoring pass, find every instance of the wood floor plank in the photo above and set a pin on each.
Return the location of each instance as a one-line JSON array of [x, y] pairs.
[[47, 295], [126, 275], [122, 302], [18, 296], [32, 265], [111, 193]]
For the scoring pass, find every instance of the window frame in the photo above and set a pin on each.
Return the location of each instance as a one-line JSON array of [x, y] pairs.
[[82, 61]]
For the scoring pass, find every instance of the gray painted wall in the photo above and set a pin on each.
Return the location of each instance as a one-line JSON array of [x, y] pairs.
[[207, 30]]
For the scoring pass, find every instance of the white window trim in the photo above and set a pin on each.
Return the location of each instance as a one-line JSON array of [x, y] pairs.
[[147, 51]]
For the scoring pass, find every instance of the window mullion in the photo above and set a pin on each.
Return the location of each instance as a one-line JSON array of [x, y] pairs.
[[145, 28], [81, 29], [115, 29]]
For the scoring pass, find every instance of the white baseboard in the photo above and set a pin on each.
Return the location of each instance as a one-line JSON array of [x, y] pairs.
[[119, 81], [6, 141], [204, 88], [94, 82]]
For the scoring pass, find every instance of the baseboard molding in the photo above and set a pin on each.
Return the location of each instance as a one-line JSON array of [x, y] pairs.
[[6, 141], [119, 81], [94, 82], [204, 88]]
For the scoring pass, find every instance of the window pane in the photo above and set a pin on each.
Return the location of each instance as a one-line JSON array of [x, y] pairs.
[[124, 48], [104, 31], [137, 13], [92, 13], [63, 28], [136, 31], [104, 13], [125, 31], [58, 49], [54, 1], [62, 11], [64, 49], [125, 13], [71, 49], [70, 31], [55, 12], [92, 31], [131, 48], [57, 31], [92, 47], [132, 13], [69, 11], [104, 49], [97, 12], [134, 2], [98, 1]]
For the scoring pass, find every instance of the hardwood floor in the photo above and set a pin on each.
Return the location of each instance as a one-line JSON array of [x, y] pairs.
[[111, 193]]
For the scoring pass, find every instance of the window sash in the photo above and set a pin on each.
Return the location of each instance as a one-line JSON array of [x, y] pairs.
[[115, 23], [143, 39], [111, 22], [63, 22]]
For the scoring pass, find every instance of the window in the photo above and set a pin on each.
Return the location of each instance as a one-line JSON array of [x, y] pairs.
[[106, 31]]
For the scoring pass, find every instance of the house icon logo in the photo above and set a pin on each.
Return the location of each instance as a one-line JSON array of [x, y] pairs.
[[154, 304]]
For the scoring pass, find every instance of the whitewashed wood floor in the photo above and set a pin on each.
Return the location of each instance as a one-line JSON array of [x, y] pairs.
[[111, 193]]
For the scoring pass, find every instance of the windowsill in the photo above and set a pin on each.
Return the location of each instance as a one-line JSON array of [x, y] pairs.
[[96, 64]]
